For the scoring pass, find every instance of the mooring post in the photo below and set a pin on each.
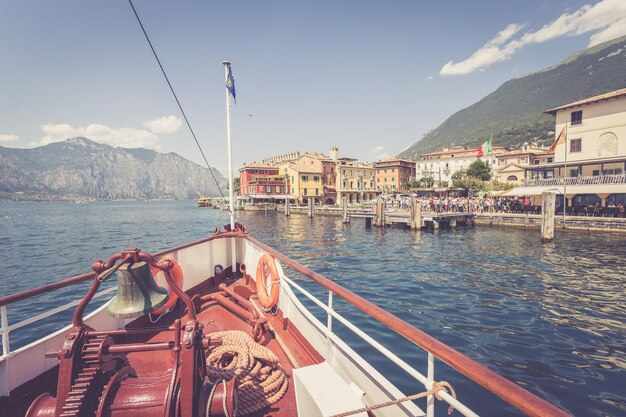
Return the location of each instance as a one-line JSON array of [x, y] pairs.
[[548, 204], [286, 207], [310, 207], [416, 214], [344, 204], [379, 220]]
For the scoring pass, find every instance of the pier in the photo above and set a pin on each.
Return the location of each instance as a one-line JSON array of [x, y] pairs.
[[394, 218]]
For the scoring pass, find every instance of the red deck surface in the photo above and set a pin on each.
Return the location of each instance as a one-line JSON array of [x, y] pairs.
[[215, 318]]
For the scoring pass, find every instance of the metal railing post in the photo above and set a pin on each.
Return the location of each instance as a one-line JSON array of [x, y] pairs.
[[329, 319], [4, 325], [430, 376]]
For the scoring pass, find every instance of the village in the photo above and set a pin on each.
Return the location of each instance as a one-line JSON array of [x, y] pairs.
[[584, 166]]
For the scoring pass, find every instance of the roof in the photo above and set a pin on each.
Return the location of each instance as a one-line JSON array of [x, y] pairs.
[[393, 161], [257, 165], [460, 152], [533, 151], [304, 168], [606, 96]]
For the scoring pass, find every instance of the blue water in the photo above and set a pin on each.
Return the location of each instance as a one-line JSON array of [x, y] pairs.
[[547, 316]]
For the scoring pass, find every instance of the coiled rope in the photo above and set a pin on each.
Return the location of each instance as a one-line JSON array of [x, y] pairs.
[[261, 381]]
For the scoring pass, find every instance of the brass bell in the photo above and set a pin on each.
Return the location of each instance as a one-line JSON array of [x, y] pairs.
[[137, 292]]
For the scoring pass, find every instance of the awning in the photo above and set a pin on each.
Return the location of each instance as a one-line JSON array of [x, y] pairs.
[[570, 189], [269, 196]]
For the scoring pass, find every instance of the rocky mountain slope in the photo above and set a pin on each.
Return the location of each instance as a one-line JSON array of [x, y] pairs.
[[514, 112], [80, 167]]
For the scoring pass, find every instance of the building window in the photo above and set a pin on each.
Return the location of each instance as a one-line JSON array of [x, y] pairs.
[[316, 191], [573, 172], [304, 191], [577, 117], [268, 189], [596, 172], [511, 178], [575, 145], [550, 160], [278, 189], [316, 178]]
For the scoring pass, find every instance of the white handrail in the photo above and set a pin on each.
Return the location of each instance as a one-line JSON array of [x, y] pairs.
[[463, 409], [6, 328]]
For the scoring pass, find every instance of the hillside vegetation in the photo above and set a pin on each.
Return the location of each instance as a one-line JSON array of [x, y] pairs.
[[514, 112]]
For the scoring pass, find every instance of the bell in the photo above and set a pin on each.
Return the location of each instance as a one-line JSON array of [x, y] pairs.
[[137, 292]]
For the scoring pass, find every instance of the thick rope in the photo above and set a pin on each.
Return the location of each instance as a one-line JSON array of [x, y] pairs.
[[261, 381], [434, 390]]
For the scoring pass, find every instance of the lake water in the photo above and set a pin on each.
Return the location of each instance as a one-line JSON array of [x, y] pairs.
[[550, 317]]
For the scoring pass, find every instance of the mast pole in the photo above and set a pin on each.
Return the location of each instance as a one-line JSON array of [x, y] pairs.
[[231, 190]]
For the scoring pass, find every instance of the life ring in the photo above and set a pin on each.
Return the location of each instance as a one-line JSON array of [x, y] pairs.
[[268, 299], [177, 275]]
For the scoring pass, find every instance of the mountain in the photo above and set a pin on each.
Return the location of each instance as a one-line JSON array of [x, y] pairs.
[[81, 168], [514, 112]]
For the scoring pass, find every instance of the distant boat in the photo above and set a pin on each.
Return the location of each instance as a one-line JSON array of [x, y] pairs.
[[205, 202]]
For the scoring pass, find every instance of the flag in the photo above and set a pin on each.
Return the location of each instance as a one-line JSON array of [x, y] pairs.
[[230, 84], [559, 140], [484, 149]]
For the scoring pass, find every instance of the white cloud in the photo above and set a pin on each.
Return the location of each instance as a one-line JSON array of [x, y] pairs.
[[166, 124], [8, 138], [126, 137], [606, 18], [377, 149], [430, 77]]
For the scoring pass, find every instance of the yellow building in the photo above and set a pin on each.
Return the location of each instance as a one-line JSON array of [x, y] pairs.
[[305, 182]]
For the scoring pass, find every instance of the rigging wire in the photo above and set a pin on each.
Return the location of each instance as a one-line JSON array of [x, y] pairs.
[[178, 103]]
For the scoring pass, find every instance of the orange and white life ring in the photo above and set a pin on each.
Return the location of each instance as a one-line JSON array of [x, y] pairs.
[[267, 292], [177, 275]]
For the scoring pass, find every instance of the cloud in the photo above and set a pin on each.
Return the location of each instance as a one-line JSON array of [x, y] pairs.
[[606, 18], [377, 149], [166, 124], [8, 138], [430, 77], [126, 137]]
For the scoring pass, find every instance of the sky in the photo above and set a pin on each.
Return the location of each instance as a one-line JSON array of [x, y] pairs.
[[370, 77]]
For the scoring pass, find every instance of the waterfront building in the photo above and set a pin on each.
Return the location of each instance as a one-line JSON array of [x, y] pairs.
[[326, 166], [393, 175], [305, 181], [263, 183], [510, 166], [589, 162], [355, 180], [441, 165], [282, 158]]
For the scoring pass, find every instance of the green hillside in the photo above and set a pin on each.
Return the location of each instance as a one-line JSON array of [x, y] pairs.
[[514, 112]]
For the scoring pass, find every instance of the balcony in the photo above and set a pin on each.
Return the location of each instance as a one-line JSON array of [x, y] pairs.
[[595, 180]]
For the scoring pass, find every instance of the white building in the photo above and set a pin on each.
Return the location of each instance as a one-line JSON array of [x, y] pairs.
[[590, 162], [443, 164]]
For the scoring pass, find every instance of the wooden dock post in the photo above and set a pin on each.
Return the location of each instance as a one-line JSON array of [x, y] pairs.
[[310, 207], [344, 203], [415, 220], [287, 207], [379, 220], [548, 204]]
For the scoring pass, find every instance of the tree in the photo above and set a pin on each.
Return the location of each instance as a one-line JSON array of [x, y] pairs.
[[479, 170], [236, 185], [426, 182]]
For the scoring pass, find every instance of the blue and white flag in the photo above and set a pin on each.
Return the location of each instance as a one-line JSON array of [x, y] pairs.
[[230, 84]]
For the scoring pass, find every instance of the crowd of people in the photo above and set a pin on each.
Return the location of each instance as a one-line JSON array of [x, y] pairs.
[[487, 204]]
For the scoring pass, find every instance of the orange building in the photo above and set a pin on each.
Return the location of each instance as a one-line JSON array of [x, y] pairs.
[[393, 175]]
